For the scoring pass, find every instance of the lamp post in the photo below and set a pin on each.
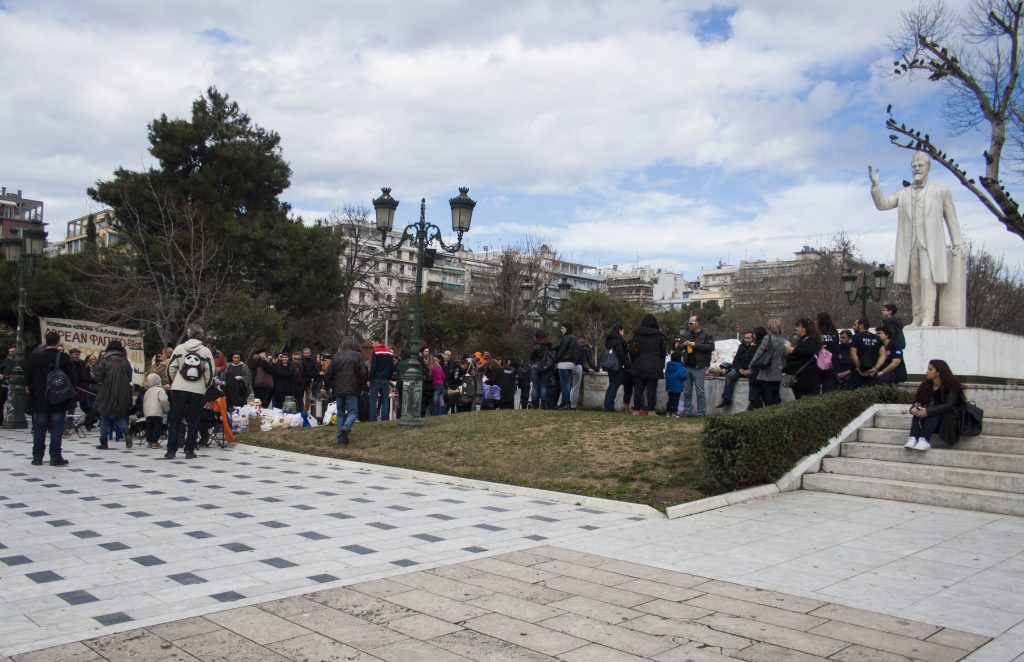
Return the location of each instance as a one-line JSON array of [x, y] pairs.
[[423, 234], [864, 293], [545, 303], [19, 250]]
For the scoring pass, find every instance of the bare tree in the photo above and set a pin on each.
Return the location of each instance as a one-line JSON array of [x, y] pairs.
[[995, 293], [807, 287], [165, 274], [976, 58], [363, 262]]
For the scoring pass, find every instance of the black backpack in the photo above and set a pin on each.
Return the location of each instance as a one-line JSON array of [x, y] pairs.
[[547, 360], [59, 388]]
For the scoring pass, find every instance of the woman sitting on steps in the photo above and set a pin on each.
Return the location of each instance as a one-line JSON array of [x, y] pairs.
[[935, 408]]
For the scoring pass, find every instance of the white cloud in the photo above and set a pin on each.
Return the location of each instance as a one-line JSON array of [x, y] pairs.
[[585, 104]]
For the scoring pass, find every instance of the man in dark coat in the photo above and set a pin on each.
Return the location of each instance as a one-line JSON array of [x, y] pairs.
[[46, 415], [698, 345], [345, 378], [649, 365], [741, 361], [113, 392]]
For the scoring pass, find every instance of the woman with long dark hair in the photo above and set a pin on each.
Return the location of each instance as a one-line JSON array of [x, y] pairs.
[[935, 409], [615, 345], [830, 341], [649, 365], [802, 359]]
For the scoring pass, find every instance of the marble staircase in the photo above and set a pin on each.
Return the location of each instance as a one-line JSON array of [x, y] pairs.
[[984, 473]]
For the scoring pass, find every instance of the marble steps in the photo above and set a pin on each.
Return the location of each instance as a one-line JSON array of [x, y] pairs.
[[983, 473], [955, 457], [963, 498], [1000, 427], [933, 474], [983, 443]]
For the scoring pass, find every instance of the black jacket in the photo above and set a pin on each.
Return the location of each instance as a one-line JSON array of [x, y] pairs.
[[567, 349], [704, 345], [39, 365], [744, 353], [284, 379], [540, 346], [615, 343], [804, 353], [650, 361], [347, 373], [946, 403]]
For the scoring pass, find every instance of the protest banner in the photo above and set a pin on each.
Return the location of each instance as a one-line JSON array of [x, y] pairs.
[[93, 337]]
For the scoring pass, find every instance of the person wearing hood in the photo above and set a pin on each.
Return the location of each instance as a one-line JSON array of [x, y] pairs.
[[649, 364], [565, 362], [538, 374], [615, 345], [190, 370], [113, 376], [699, 345], [155, 404]]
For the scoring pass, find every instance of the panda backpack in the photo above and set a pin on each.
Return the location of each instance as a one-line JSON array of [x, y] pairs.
[[191, 367]]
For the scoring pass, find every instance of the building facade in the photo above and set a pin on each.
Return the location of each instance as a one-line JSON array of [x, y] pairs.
[[17, 211]]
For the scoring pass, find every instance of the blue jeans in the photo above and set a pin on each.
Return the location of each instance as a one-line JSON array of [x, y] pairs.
[[380, 395], [565, 382], [121, 425], [52, 421], [614, 382], [694, 381], [539, 387], [438, 408], [730, 384], [924, 427], [348, 407]]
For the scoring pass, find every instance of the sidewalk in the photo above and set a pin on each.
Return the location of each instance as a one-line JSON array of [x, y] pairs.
[[119, 540]]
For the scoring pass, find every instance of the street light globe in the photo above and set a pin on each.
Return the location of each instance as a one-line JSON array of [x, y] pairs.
[[462, 211], [849, 281], [385, 207], [881, 277], [526, 289], [564, 288], [35, 241]]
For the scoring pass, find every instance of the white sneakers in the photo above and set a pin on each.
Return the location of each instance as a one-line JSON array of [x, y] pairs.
[[917, 444]]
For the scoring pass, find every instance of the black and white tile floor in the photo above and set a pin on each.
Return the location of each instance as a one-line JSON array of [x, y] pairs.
[[119, 537]]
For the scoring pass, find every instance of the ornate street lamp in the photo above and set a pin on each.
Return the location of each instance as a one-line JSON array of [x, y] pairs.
[[864, 293], [423, 234], [544, 304], [21, 250]]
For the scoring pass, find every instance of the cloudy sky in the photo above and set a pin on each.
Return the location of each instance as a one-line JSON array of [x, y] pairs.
[[674, 133]]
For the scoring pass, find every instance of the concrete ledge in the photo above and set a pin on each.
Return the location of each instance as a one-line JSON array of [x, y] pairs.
[[721, 501], [793, 479], [515, 490]]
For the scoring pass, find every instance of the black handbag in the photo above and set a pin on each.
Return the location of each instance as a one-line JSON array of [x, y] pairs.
[[971, 416]]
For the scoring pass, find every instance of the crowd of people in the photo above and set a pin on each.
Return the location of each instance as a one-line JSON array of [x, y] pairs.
[[816, 358], [190, 388]]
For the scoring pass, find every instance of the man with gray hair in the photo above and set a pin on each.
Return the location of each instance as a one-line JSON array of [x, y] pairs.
[[190, 371], [921, 258]]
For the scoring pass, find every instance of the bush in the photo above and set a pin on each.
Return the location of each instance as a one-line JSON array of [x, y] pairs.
[[760, 446]]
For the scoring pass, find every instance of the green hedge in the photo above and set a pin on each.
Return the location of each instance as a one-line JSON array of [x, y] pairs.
[[757, 447]]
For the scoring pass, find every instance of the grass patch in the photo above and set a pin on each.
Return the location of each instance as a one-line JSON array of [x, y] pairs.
[[654, 461]]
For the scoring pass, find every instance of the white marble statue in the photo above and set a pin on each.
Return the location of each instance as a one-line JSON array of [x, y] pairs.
[[922, 258]]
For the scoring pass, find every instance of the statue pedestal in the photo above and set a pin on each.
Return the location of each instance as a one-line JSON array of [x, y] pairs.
[[970, 352]]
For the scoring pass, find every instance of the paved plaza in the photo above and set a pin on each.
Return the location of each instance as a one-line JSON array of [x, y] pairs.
[[253, 554]]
